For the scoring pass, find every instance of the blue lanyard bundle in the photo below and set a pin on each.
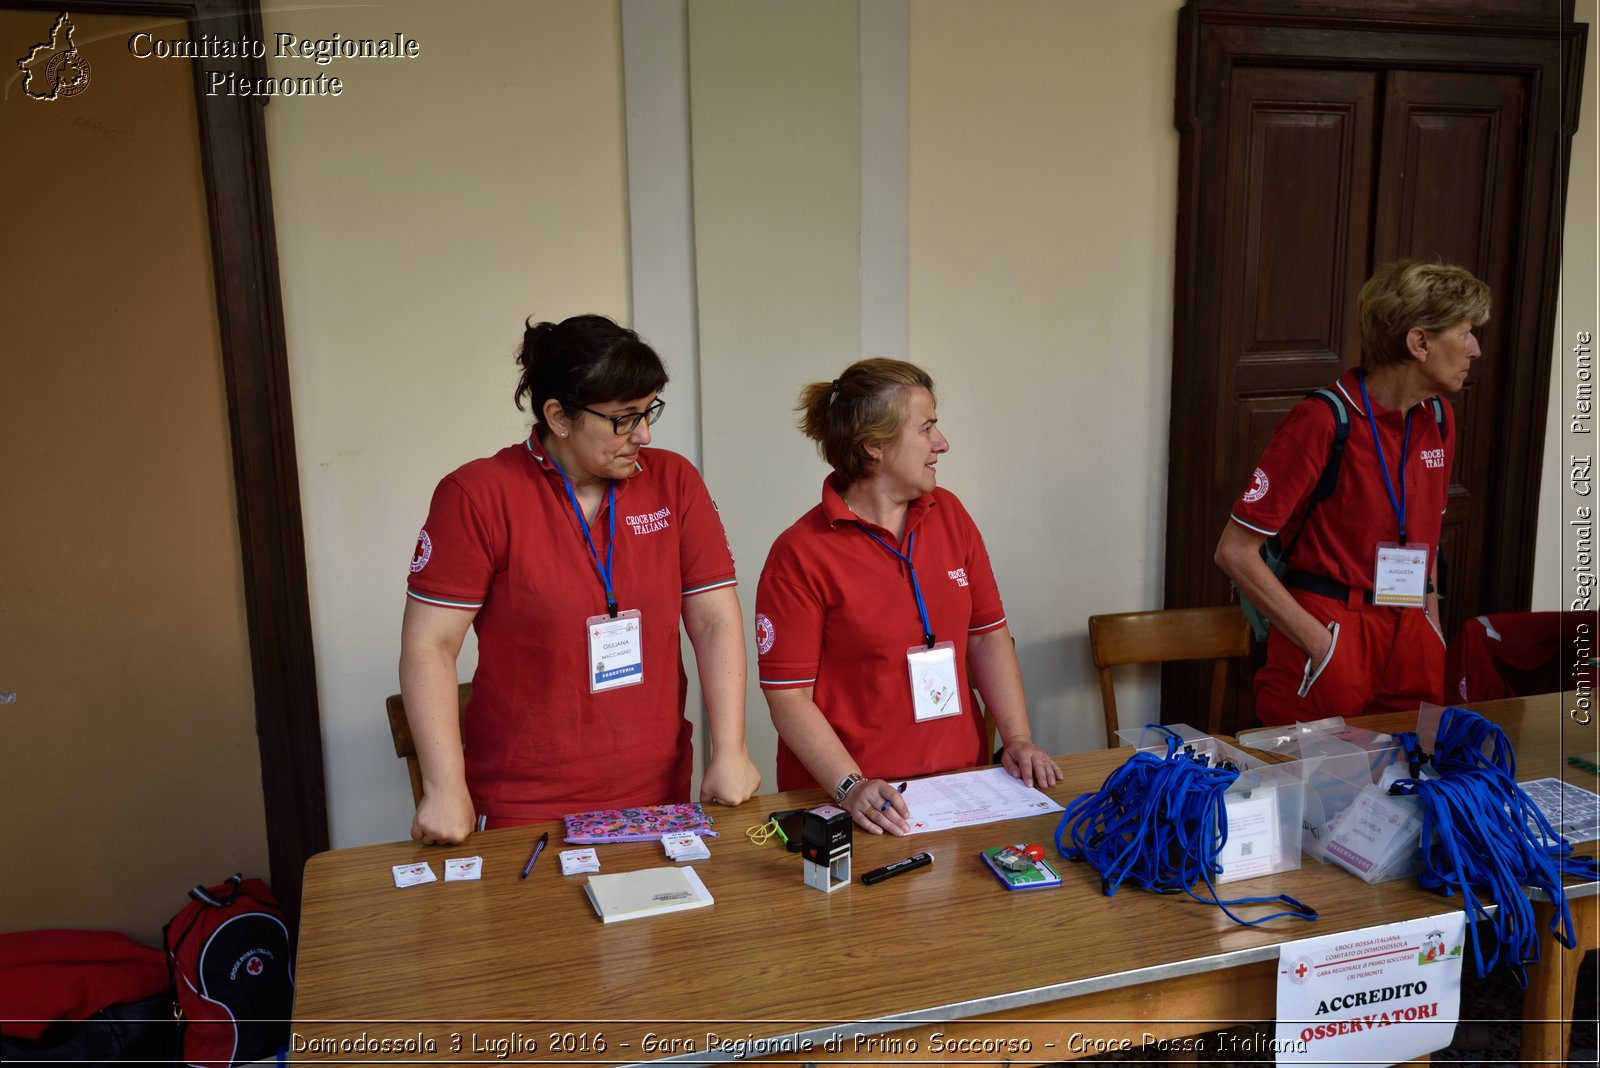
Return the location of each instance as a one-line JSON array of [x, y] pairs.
[[1483, 838], [1160, 823]]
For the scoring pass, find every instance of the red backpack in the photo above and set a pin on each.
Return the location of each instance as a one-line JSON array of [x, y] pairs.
[[232, 968]]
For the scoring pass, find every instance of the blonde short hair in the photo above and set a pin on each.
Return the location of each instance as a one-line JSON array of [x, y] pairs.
[[1406, 294]]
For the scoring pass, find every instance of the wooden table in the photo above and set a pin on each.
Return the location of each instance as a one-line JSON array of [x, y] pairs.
[[941, 964]]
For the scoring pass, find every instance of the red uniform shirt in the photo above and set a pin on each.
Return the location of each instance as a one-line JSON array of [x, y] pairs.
[[835, 611], [1341, 540], [502, 538]]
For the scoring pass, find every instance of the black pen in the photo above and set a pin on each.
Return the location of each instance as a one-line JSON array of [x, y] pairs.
[[538, 847], [911, 863]]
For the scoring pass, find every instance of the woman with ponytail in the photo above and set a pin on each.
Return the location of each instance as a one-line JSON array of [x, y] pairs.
[[574, 555], [872, 605]]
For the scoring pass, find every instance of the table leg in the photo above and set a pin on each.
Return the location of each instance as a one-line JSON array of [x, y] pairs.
[[1547, 1004]]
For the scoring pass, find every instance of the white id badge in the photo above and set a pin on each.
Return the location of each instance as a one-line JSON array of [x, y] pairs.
[[616, 651], [935, 683], [1400, 576]]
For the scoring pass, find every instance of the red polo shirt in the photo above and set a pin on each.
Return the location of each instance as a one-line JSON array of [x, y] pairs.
[[1342, 538], [502, 538], [835, 611]]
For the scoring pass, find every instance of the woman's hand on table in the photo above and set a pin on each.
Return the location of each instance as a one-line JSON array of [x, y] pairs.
[[1026, 761], [878, 807]]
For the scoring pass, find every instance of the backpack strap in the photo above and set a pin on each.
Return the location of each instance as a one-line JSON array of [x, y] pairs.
[[1436, 403], [206, 897], [1341, 434], [1330, 469]]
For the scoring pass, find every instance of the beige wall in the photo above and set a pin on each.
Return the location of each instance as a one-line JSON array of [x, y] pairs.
[[128, 761], [425, 211], [421, 215], [1554, 584], [1043, 212], [775, 99]]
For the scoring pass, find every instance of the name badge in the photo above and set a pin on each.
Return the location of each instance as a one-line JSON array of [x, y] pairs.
[[616, 651], [935, 683], [1401, 575]]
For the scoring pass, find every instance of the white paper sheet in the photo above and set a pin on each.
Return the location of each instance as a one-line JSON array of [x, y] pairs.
[[968, 798]]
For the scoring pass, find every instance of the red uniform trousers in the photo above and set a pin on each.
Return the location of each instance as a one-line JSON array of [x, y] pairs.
[[1387, 660]]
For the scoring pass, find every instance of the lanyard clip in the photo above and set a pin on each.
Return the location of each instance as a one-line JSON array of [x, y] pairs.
[[929, 639], [611, 607]]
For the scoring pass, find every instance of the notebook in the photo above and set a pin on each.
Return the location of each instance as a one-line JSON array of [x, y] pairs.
[[628, 895]]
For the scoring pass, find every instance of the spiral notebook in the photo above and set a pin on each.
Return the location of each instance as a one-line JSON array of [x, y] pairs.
[[644, 824]]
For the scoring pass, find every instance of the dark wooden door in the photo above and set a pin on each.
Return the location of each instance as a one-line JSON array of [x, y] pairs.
[[1451, 167], [1315, 148]]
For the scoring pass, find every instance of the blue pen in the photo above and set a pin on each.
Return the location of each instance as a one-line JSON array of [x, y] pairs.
[[538, 847], [902, 789]]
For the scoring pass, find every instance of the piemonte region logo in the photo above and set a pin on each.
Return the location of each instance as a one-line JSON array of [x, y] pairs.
[[55, 69]]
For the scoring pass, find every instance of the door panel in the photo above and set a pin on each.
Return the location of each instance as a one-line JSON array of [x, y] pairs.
[[1448, 190], [1295, 242]]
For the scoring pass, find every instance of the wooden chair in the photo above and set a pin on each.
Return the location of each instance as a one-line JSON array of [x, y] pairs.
[[400, 729], [1168, 634]]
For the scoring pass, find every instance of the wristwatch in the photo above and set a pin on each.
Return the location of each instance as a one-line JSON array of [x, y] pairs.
[[846, 784]]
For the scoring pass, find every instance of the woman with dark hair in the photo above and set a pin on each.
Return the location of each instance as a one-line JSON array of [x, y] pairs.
[[1356, 615], [873, 604], [574, 555]]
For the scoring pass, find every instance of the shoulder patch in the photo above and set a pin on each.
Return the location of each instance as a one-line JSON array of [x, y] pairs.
[[1257, 488], [424, 553]]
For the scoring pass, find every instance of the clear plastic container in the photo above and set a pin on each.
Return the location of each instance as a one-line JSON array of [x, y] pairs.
[[1338, 762]]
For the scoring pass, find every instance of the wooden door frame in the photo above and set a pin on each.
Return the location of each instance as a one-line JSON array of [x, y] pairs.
[[1212, 33], [244, 253]]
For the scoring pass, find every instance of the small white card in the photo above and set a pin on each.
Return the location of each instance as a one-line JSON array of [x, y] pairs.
[[616, 651], [1372, 830], [1400, 576], [413, 874], [460, 869], [1252, 847], [935, 683], [578, 861], [685, 845]]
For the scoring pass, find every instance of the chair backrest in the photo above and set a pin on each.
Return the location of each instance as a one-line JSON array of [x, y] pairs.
[[400, 729], [1168, 634]]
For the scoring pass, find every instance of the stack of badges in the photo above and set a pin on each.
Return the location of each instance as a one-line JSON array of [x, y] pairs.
[[685, 845]]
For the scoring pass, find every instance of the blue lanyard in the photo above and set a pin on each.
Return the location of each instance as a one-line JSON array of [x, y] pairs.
[[1399, 505], [916, 591], [1161, 824], [583, 524]]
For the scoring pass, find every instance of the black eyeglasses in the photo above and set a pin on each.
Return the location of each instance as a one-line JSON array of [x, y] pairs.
[[627, 424]]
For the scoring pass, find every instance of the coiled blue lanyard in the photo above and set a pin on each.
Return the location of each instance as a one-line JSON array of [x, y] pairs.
[[1398, 504], [916, 590], [604, 570], [1483, 837], [1161, 823]]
